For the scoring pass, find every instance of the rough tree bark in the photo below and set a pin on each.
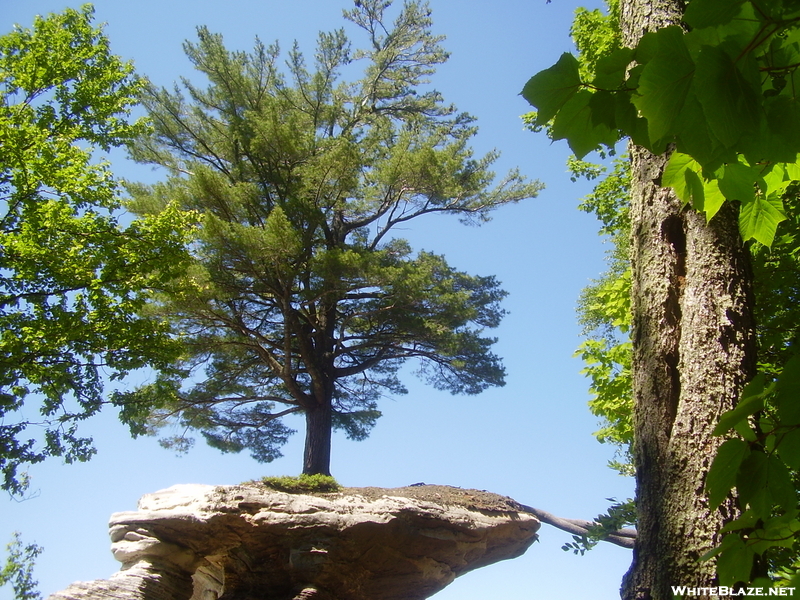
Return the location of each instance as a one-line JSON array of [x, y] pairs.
[[317, 453], [694, 348]]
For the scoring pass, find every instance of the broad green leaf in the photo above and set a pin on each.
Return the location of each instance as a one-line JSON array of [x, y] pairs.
[[735, 560], [684, 175], [743, 429], [647, 48], [752, 483], [779, 482], [727, 542], [744, 26], [611, 70], [792, 171], [759, 218], [738, 182], [575, 123], [603, 106], [729, 100], [783, 119], [550, 89], [696, 139], [787, 393], [710, 13], [777, 531], [694, 188], [674, 175], [789, 448], [709, 198], [628, 121], [722, 474], [765, 146], [665, 82], [777, 179]]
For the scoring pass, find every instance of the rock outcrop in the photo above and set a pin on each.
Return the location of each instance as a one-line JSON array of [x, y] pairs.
[[245, 542]]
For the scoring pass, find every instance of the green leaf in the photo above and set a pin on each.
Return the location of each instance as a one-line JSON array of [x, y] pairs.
[[734, 561], [729, 100], [787, 393], [783, 119], [628, 120], [789, 448], [763, 145], [722, 474], [665, 82], [647, 48], [743, 429], [709, 13], [575, 123], [603, 107], [713, 199], [696, 139], [779, 482], [752, 483], [551, 89], [684, 175], [738, 182], [706, 195], [777, 531], [674, 175], [611, 70], [776, 179], [759, 218]]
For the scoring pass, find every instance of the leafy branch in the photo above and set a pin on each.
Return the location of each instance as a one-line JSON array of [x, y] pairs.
[[697, 92]]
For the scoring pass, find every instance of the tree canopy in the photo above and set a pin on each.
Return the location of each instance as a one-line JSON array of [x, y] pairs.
[[301, 298], [73, 277]]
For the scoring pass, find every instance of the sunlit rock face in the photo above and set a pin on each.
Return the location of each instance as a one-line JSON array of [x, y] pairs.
[[248, 542]]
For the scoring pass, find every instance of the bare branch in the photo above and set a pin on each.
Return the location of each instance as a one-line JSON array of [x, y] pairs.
[[621, 537]]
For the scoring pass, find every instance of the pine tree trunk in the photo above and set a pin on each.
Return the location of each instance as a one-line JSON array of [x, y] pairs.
[[694, 348], [319, 425]]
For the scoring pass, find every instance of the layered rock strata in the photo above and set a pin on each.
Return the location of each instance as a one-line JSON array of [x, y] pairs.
[[245, 542]]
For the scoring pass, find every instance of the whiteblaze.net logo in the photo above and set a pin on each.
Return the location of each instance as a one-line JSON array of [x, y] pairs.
[[683, 591]]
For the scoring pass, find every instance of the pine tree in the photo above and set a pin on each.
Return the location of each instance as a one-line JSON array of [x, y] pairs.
[[301, 299]]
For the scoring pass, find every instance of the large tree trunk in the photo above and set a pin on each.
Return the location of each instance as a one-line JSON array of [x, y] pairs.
[[694, 348], [319, 424]]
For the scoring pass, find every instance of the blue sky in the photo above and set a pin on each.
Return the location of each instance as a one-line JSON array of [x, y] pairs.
[[530, 440]]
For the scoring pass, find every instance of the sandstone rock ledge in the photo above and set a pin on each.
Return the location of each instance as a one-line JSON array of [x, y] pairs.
[[248, 542]]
